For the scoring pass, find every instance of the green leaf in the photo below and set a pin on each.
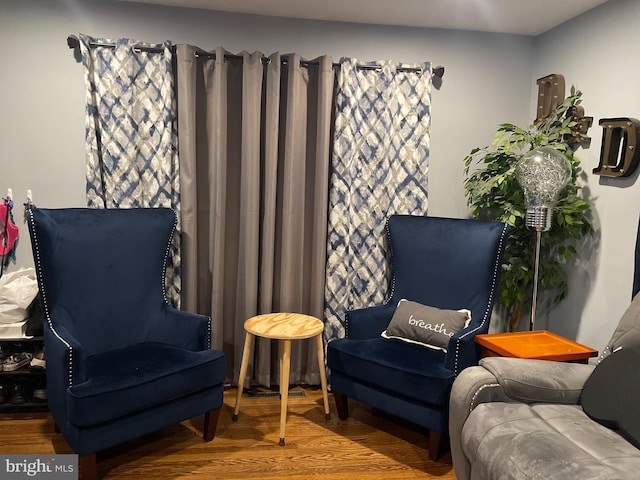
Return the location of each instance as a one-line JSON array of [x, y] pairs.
[[493, 192]]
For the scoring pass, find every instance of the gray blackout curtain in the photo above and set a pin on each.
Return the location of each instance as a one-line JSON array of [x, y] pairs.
[[254, 146]]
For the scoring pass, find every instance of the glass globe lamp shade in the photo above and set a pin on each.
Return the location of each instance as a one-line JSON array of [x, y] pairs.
[[542, 173]]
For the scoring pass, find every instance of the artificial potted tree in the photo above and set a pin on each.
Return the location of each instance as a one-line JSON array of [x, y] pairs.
[[493, 192]]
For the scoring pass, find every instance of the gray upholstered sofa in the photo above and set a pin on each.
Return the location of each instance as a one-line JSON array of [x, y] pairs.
[[523, 419]]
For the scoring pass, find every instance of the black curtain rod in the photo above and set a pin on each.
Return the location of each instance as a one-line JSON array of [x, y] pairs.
[[73, 43]]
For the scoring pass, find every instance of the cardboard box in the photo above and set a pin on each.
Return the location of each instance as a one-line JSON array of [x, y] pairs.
[[13, 330]]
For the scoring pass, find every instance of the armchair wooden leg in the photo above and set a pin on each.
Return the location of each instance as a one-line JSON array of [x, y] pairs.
[[87, 467], [438, 445], [342, 405], [210, 424]]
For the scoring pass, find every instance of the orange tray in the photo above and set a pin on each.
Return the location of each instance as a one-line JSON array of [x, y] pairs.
[[538, 344]]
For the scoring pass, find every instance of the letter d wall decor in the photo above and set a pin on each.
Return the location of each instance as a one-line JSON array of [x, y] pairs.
[[619, 156]]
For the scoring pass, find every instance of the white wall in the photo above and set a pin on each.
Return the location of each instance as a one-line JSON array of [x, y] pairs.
[[487, 82], [597, 52]]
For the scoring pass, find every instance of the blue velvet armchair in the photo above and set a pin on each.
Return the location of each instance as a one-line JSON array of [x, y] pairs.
[[121, 362], [440, 262]]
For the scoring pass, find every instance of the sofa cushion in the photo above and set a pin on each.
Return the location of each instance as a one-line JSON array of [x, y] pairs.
[[403, 368], [139, 377], [545, 442], [611, 395], [627, 333], [425, 325]]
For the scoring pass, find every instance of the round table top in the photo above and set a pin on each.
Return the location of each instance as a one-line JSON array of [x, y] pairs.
[[284, 326]]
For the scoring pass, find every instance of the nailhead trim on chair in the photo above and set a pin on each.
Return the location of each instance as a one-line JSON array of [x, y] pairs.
[[164, 272], [475, 395], [496, 266], [166, 255], [393, 277], [44, 296]]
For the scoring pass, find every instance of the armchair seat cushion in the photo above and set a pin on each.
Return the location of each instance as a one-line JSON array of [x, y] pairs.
[[545, 441], [405, 369], [139, 377]]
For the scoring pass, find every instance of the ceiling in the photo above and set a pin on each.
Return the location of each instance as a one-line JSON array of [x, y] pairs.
[[525, 17]]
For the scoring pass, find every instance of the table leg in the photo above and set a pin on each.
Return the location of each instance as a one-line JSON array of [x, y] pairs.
[[246, 354], [323, 375], [285, 364]]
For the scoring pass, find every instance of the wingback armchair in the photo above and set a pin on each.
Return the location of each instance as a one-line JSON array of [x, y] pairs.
[[121, 361], [449, 264]]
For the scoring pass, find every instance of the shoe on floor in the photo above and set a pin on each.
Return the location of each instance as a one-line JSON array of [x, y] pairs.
[[15, 361], [21, 391], [18, 395], [38, 361], [4, 393], [39, 395]]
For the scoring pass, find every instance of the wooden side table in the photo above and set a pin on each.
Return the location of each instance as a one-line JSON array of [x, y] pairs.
[[284, 327], [538, 344]]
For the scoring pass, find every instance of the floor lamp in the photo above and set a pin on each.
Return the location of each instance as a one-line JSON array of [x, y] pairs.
[[542, 173]]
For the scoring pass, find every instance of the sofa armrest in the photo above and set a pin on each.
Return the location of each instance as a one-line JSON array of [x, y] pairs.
[[499, 379], [367, 322], [473, 386], [539, 381]]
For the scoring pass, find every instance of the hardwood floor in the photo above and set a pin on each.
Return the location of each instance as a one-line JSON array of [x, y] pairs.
[[369, 445]]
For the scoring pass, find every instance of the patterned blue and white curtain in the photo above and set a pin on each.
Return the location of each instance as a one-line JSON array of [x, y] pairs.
[[131, 131], [380, 165]]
